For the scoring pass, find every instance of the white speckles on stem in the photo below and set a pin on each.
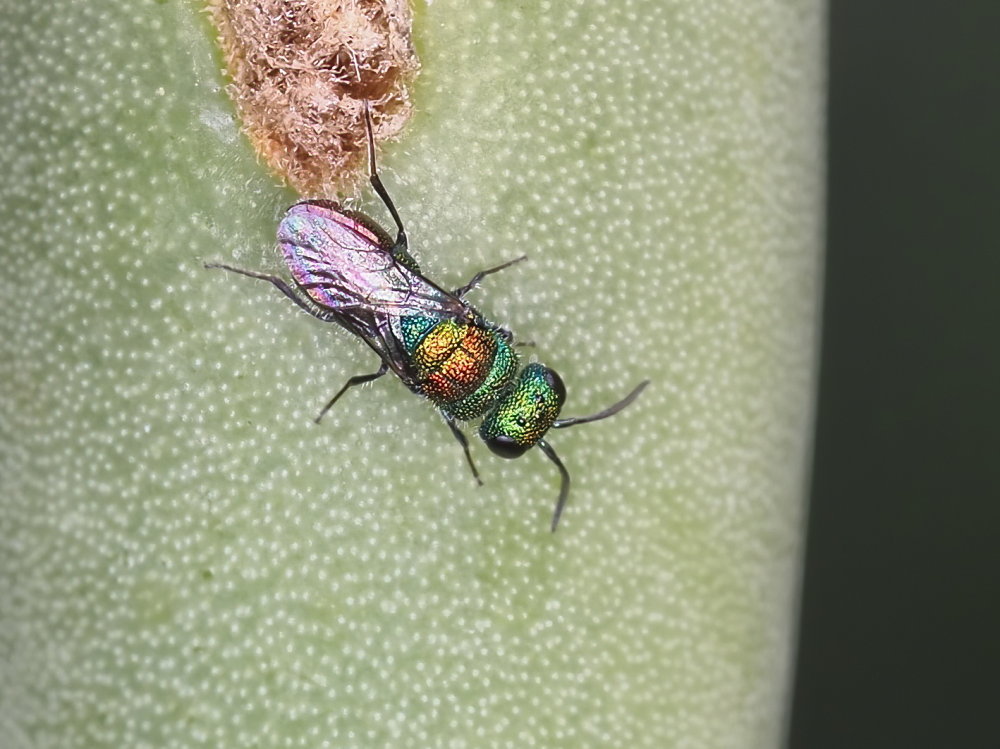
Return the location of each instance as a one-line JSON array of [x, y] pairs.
[[186, 559]]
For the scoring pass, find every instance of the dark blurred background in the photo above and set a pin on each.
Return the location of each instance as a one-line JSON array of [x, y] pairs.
[[900, 624]]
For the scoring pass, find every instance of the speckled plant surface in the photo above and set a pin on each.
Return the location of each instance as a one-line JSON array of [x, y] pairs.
[[187, 560]]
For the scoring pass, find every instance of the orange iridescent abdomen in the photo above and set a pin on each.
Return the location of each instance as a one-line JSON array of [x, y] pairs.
[[460, 366], [453, 359]]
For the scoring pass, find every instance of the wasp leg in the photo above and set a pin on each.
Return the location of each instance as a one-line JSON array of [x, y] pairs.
[[461, 291], [356, 380], [563, 488], [282, 286], [509, 337], [401, 245], [507, 334], [450, 420]]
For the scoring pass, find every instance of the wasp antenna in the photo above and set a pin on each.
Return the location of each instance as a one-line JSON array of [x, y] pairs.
[[564, 488], [610, 411]]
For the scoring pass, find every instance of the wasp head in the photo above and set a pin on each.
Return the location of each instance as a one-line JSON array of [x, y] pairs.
[[521, 417]]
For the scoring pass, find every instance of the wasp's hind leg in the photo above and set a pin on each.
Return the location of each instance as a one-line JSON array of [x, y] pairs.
[[282, 286], [401, 247], [356, 380], [461, 291], [450, 420]]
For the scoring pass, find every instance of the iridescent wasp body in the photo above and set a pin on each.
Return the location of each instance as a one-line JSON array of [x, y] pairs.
[[349, 271]]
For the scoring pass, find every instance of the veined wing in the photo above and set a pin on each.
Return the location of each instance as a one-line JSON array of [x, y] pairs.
[[341, 261], [345, 265]]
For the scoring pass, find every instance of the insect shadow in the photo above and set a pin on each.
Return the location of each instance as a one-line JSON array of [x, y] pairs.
[[348, 270]]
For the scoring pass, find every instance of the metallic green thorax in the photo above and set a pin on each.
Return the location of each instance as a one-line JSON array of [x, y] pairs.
[[524, 414], [414, 328]]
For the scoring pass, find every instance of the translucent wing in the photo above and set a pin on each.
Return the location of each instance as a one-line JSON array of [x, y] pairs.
[[344, 263]]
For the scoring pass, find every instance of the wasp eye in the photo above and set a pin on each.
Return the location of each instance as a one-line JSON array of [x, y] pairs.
[[506, 447], [556, 385]]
